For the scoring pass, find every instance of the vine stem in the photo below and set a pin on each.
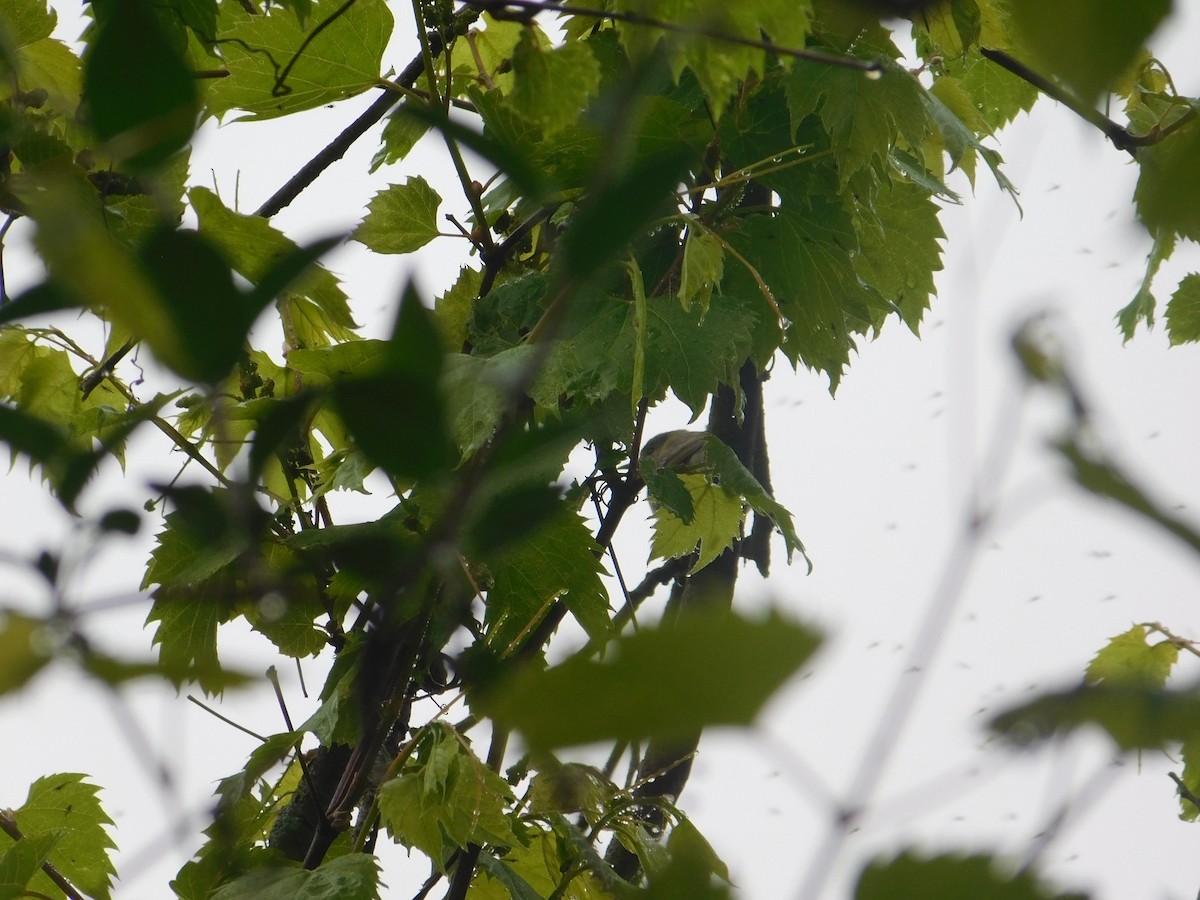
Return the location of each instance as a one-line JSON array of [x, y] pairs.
[[8, 824]]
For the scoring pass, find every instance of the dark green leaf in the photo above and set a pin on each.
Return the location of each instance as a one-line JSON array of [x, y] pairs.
[[1168, 188], [43, 298], [706, 669], [354, 876], [1136, 717], [141, 98], [979, 877], [1183, 311]]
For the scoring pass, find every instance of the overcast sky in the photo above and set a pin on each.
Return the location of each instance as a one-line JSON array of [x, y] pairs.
[[877, 478]]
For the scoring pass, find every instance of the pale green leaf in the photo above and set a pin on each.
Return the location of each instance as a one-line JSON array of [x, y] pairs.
[[453, 308], [716, 522], [552, 85], [402, 218], [342, 60], [703, 268], [1129, 658]]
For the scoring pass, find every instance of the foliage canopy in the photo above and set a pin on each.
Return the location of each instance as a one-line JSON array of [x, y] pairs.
[[659, 198]]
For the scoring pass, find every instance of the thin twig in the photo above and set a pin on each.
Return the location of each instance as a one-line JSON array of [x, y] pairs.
[[8, 824]]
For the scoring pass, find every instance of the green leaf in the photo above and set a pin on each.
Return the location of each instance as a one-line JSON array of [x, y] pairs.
[[864, 117], [1189, 753], [705, 669], [448, 799], [453, 308], [728, 470], [314, 304], [402, 218], [186, 635], [703, 267], [26, 645], [342, 60], [1183, 311], [27, 21], [22, 860], [66, 805], [716, 522], [951, 875], [560, 559], [354, 876], [552, 84], [1168, 188], [141, 98], [1136, 717], [900, 249], [1129, 659], [401, 132], [1089, 44], [1141, 307]]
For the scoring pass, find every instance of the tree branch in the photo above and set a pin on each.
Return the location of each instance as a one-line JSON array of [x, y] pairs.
[[337, 148]]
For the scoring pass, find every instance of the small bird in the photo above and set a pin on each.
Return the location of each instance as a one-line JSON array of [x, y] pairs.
[[681, 451]]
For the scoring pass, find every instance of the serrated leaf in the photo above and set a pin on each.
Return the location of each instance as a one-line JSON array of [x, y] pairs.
[[448, 799], [900, 248], [67, 805], [1089, 44], [186, 635], [705, 669], [950, 875], [401, 132], [702, 270], [1129, 658], [354, 876], [1183, 311], [1189, 753], [402, 218], [453, 308], [716, 522], [559, 560], [864, 117], [27, 21], [342, 60], [1141, 307]]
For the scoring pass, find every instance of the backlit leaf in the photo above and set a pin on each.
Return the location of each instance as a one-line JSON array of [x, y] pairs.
[[1183, 311], [402, 218], [1129, 658], [716, 522]]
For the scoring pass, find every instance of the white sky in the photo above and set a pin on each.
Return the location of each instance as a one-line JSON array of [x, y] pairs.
[[876, 479]]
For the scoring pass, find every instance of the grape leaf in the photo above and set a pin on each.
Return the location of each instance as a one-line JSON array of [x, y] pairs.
[[402, 218], [559, 559], [67, 805], [339, 62], [1183, 311], [1129, 659], [552, 84], [717, 515]]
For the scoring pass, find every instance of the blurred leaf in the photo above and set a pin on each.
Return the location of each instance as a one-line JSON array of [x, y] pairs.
[[22, 860], [513, 515], [979, 877], [26, 647], [1089, 44], [552, 84], [38, 300], [341, 61], [1129, 659], [354, 876], [666, 488], [1168, 188], [705, 669], [703, 267], [1136, 717], [1183, 311], [402, 218], [140, 97], [314, 303], [1189, 753]]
